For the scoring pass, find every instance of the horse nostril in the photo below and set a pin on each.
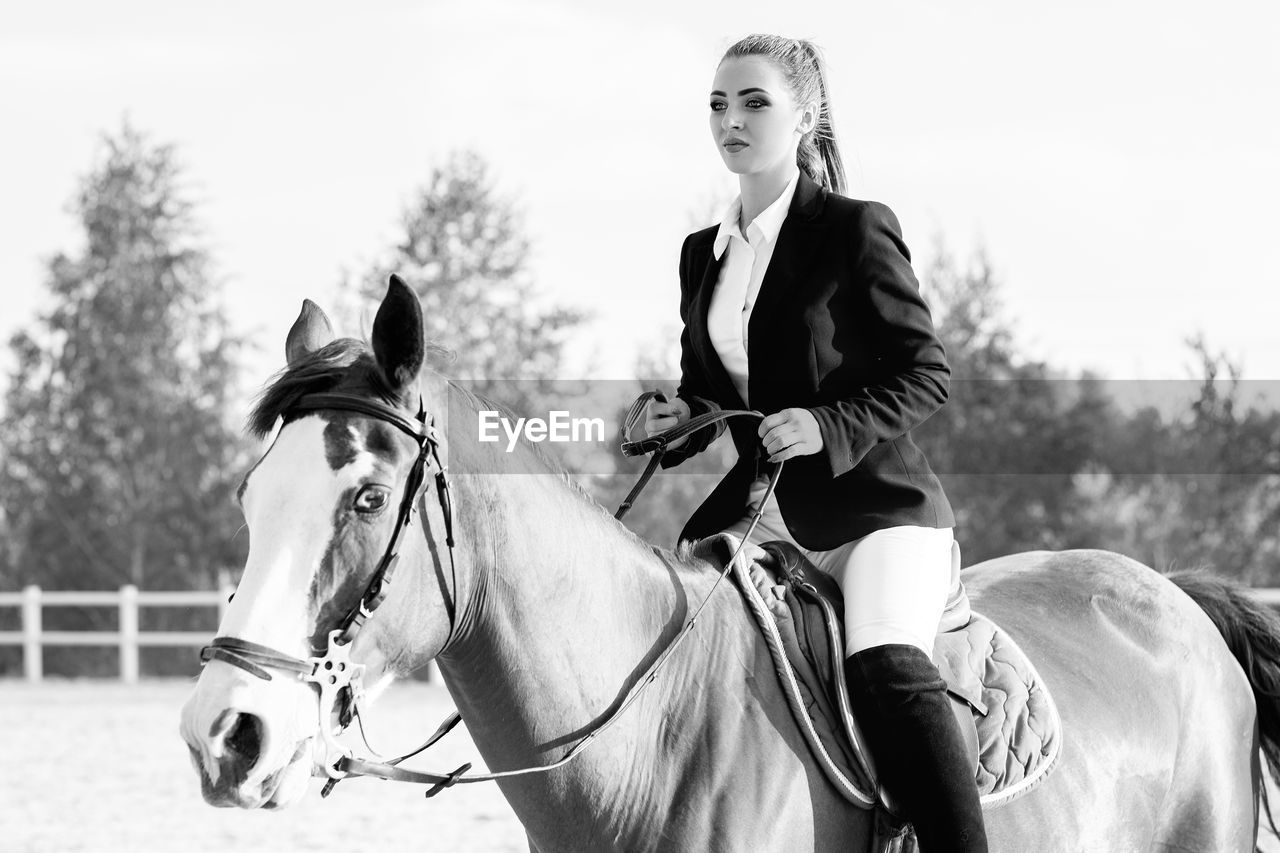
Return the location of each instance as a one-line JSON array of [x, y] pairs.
[[240, 734], [245, 737]]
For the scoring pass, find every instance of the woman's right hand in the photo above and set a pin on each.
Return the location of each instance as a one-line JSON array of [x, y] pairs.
[[663, 416]]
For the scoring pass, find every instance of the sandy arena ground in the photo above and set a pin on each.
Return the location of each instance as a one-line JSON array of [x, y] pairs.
[[97, 766]]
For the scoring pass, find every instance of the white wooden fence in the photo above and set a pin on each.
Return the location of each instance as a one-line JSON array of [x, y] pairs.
[[128, 639], [33, 638]]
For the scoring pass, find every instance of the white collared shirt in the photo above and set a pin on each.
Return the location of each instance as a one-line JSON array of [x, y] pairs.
[[740, 278]]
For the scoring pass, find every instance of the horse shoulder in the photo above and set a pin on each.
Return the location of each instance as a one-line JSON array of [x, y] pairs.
[[735, 770]]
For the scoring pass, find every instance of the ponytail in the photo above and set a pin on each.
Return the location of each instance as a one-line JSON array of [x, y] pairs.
[[818, 154]]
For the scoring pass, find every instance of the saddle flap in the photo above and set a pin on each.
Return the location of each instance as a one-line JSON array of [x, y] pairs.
[[952, 651]]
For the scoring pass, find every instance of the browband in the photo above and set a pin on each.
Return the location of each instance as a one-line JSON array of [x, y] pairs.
[[418, 429]]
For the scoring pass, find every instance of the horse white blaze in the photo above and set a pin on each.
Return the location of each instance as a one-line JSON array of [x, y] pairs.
[[289, 505]]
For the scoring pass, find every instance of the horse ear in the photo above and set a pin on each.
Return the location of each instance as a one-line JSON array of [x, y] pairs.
[[398, 341], [310, 331]]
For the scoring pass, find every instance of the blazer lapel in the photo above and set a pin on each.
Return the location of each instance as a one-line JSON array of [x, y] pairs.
[[793, 253]]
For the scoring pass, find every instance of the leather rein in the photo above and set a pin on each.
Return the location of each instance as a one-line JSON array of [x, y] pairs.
[[338, 679]]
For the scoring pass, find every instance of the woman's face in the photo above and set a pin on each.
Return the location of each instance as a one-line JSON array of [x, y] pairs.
[[755, 121]]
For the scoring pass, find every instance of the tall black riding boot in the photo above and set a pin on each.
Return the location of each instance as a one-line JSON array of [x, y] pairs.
[[900, 702]]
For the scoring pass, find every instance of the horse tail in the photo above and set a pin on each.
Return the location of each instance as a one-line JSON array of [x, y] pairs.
[[1252, 632]]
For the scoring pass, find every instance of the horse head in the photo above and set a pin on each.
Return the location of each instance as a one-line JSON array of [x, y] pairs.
[[328, 508]]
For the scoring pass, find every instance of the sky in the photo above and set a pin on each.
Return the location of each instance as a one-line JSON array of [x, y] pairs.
[[1115, 160]]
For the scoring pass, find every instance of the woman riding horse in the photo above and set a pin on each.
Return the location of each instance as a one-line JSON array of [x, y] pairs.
[[802, 304]]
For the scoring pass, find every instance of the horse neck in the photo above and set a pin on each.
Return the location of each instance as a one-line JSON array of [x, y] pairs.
[[562, 604], [564, 611]]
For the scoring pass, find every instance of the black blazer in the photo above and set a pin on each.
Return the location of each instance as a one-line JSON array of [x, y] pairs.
[[839, 328]]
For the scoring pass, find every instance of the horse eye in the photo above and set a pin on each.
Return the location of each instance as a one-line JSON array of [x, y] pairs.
[[372, 498]]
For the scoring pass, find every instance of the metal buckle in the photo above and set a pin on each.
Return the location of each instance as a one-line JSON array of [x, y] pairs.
[[331, 673]]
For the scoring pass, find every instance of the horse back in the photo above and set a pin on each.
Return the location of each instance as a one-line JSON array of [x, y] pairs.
[[1157, 716]]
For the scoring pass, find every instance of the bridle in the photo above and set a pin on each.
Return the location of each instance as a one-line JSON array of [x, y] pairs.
[[332, 671], [338, 679]]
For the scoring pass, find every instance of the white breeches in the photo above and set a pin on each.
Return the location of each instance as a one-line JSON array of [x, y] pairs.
[[895, 580]]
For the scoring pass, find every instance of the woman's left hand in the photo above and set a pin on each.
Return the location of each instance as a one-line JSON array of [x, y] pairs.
[[789, 433]]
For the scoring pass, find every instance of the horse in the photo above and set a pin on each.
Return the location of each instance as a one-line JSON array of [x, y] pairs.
[[543, 612]]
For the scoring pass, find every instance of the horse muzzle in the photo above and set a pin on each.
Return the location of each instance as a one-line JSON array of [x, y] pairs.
[[251, 746]]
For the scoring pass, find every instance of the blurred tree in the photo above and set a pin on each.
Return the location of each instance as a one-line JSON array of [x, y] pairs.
[[968, 315], [464, 252], [1014, 434], [1205, 489], [118, 458], [1032, 458]]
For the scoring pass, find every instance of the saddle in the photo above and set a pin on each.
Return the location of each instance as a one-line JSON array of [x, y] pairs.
[[1004, 709]]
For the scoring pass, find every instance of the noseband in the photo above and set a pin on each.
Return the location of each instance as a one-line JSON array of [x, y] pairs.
[[336, 677]]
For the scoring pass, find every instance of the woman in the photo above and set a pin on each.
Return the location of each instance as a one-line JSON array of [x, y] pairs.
[[802, 304]]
